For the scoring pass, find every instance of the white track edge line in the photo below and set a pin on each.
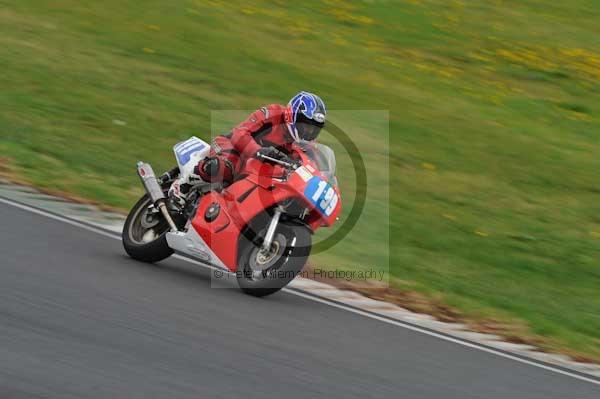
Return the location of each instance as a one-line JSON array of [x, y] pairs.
[[63, 219], [443, 336], [315, 298]]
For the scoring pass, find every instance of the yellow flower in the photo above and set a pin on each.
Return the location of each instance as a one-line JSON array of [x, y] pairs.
[[148, 50], [595, 234], [250, 10], [428, 166], [578, 116], [481, 233]]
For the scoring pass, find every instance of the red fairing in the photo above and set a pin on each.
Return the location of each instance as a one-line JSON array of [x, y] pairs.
[[221, 234], [316, 217], [260, 189]]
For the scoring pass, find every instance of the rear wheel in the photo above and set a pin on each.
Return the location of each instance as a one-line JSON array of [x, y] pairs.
[[264, 272], [144, 233]]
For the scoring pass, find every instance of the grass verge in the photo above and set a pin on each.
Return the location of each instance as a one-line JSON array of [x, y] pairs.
[[494, 133]]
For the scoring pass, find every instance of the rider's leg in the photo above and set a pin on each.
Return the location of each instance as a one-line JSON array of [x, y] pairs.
[[188, 178], [217, 169], [221, 165]]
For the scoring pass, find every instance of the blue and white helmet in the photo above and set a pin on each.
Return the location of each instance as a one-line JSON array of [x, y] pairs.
[[307, 116]]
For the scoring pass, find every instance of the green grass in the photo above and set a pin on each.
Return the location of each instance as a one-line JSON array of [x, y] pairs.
[[494, 134]]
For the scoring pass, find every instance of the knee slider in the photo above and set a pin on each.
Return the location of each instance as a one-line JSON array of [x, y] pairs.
[[211, 167]]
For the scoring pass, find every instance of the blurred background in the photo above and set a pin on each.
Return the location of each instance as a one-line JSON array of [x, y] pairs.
[[493, 150]]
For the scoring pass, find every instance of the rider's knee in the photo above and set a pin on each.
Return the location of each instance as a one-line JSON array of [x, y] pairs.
[[215, 169]]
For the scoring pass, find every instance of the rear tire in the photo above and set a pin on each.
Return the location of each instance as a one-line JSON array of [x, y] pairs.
[[258, 275], [135, 240]]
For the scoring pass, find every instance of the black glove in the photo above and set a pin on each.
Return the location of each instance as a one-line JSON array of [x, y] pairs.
[[271, 152]]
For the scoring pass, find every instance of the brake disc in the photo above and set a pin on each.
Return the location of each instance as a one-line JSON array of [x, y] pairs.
[[261, 260]]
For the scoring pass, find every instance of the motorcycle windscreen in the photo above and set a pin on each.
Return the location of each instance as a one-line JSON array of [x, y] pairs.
[[323, 157]]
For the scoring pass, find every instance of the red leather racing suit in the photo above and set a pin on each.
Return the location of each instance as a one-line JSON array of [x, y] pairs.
[[264, 127]]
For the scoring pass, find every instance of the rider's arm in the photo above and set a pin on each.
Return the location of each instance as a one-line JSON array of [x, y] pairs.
[[241, 137]]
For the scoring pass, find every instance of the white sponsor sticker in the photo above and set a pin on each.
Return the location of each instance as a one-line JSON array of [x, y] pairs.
[[304, 173]]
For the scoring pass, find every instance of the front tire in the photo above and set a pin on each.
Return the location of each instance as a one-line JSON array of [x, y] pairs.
[[261, 274], [144, 233]]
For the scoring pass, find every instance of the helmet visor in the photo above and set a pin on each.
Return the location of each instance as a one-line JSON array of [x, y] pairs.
[[308, 131]]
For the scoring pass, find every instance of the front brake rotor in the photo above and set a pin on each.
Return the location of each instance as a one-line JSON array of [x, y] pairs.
[[261, 260]]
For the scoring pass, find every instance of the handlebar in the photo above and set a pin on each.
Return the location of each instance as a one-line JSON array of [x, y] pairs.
[[288, 165]]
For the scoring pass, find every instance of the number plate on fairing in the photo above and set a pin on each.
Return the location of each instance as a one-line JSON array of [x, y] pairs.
[[322, 195]]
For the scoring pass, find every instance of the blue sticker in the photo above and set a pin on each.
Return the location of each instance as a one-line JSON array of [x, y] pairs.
[[185, 149], [321, 194]]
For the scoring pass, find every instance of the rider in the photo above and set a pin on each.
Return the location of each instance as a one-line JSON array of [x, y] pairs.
[[268, 131]]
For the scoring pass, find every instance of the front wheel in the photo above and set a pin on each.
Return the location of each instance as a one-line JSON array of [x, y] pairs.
[[262, 272]]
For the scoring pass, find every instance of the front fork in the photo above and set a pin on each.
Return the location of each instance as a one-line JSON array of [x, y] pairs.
[[266, 246]]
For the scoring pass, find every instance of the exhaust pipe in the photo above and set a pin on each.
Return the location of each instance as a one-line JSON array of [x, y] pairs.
[[148, 178]]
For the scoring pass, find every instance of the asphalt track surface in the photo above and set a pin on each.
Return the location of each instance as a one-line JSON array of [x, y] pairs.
[[79, 319]]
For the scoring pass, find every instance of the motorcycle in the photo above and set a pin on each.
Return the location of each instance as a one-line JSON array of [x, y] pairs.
[[259, 227]]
